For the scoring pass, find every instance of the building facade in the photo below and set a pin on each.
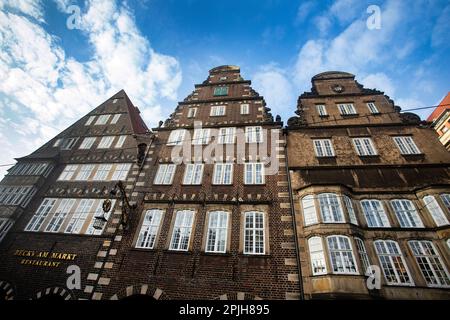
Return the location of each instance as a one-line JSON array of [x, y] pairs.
[[440, 121], [371, 193], [209, 214]]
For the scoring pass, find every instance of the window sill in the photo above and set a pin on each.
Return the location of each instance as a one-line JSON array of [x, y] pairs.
[[215, 254], [413, 156], [324, 115], [178, 252], [372, 156], [254, 184]]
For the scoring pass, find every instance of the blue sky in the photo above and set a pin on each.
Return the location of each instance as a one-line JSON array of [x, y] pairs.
[[50, 75]]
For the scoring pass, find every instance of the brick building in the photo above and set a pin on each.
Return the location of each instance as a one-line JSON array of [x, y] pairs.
[[440, 121], [212, 216], [370, 186]]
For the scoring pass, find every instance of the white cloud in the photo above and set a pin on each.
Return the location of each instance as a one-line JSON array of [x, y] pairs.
[[54, 90], [379, 81]]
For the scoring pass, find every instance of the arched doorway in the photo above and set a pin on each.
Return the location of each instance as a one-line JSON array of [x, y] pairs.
[[139, 298], [53, 294], [138, 291]]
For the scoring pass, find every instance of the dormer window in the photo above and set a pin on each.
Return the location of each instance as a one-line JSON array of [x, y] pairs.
[[372, 108], [192, 112]]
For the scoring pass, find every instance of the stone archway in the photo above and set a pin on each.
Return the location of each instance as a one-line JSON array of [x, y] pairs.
[[54, 294], [140, 290], [238, 296], [7, 291]]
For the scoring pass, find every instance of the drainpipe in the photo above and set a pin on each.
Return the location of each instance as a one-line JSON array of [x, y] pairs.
[[294, 221]]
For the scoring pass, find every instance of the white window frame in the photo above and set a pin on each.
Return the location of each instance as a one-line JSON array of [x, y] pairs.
[[321, 110], [317, 256], [223, 173], [435, 210], [5, 226], [390, 256], [251, 230], [372, 107], [105, 142], [41, 214], [192, 112], [218, 110], [176, 137], [348, 202], [406, 145], [89, 120], [341, 255], [254, 134], [254, 173], [121, 171], [68, 173], [102, 172], [79, 217], [193, 174], [227, 135], [364, 147], [115, 118], [217, 234], [363, 256], [165, 174], [374, 213], [60, 215], [120, 141], [309, 210], [347, 109], [85, 172], [201, 136], [99, 213], [330, 208], [323, 148], [245, 108], [102, 119], [149, 230], [445, 197], [406, 213], [430, 263], [68, 143], [87, 143], [184, 220]]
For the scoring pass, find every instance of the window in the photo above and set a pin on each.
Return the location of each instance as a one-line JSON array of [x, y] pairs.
[[87, 143], [346, 109], [115, 118], [217, 111], [106, 142], [57, 143], [406, 145], [254, 173], [254, 233], [372, 107], [245, 108], [182, 230], [192, 112], [176, 137], [223, 173], [68, 172], [363, 256], [227, 135], [165, 174], [60, 214], [253, 135], [323, 148], [80, 215], [406, 214], [317, 256], [149, 229], [99, 213], [392, 262], [115, 100], [321, 110], [5, 225], [221, 91], [201, 136], [445, 197], [121, 171], [120, 142], [330, 208], [40, 215], [102, 172], [351, 211], [102, 119], [216, 240], [430, 263], [85, 172], [374, 213], [435, 210], [68, 143], [341, 255], [193, 173], [223, 78], [309, 210], [364, 147], [89, 120]]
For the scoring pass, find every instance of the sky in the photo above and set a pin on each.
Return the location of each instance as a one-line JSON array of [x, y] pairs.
[[59, 59]]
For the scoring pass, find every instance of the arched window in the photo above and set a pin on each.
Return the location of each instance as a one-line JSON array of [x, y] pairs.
[[309, 210], [392, 262], [330, 208], [317, 256], [341, 255], [374, 213]]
